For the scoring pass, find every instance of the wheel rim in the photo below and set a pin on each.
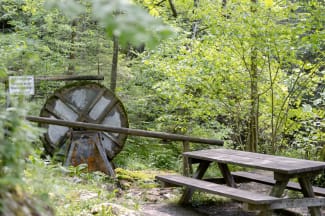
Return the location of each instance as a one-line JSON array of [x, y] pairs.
[[84, 102]]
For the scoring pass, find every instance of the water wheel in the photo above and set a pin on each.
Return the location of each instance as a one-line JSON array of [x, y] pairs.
[[84, 102]]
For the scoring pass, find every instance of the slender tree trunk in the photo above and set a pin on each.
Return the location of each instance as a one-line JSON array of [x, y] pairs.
[[72, 56], [273, 132], [254, 97], [195, 25], [114, 63]]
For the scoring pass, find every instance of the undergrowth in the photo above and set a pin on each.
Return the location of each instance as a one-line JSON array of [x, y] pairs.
[[70, 190]]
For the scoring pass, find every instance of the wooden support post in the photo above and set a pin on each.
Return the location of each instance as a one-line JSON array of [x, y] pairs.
[[188, 192], [227, 175], [108, 165], [70, 149], [307, 190], [186, 165], [279, 187]]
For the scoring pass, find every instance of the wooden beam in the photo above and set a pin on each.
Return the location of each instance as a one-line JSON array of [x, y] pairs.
[[62, 78], [68, 77], [129, 131], [298, 203]]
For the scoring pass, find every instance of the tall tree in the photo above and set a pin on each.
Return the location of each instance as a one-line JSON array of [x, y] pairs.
[[252, 140], [240, 71], [114, 64]]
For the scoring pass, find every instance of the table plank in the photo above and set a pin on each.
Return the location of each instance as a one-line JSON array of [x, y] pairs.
[[278, 164]]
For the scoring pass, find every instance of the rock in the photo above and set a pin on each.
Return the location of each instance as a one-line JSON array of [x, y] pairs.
[[125, 185], [114, 209], [76, 180], [88, 195], [151, 198]]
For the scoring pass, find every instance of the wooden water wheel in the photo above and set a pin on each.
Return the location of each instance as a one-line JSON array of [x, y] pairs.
[[84, 102]]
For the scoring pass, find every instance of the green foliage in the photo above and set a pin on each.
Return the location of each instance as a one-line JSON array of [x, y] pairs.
[[128, 22], [203, 83], [16, 138], [70, 190], [165, 159], [141, 154]]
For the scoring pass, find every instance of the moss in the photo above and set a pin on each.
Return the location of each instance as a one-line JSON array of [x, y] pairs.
[[133, 175]]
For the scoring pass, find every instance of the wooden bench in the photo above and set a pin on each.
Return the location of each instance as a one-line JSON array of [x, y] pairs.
[[256, 201], [268, 180]]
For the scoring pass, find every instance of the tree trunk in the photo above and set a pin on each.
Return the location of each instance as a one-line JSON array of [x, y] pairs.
[[114, 64], [254, 97], [72, 56], [195, 25]]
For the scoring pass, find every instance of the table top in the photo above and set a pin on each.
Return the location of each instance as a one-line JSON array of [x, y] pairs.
[[273, 163]]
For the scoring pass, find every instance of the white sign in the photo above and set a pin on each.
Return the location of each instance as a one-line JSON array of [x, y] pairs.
[[21, 85]]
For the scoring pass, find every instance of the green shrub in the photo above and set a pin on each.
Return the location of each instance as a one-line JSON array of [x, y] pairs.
[[16, 137]]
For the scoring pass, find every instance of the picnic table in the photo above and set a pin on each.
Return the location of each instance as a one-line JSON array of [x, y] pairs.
[[283, 169]]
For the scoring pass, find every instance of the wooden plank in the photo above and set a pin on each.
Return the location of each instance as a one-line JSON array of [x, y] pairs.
[[278, 164], [129, 131], [107, 163], [242, 176], [69, 77], [62, 78], [222, 190], [298, 203]]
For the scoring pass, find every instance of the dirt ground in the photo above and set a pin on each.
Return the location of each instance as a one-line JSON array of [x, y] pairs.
[[163, 202], [204, 210]]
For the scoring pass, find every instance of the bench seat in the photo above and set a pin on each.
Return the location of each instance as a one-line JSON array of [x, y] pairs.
[[222, 190], [247, 176], [256, 200]]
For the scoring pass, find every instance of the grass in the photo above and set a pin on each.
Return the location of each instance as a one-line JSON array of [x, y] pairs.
[[74, 191], [71, 190]]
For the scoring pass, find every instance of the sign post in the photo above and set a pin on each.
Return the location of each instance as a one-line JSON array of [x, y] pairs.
[[21, 85]]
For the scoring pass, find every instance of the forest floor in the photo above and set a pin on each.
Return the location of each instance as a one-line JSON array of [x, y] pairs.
[[158, 201], [137, 194], [163, 202]]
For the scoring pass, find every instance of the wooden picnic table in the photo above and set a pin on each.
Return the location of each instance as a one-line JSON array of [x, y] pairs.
[[283, 169]]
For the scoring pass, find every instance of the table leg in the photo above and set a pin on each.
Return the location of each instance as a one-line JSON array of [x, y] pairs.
[[279, 187], [307, 190], [227, 174], [277, 190], [188, 192]]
